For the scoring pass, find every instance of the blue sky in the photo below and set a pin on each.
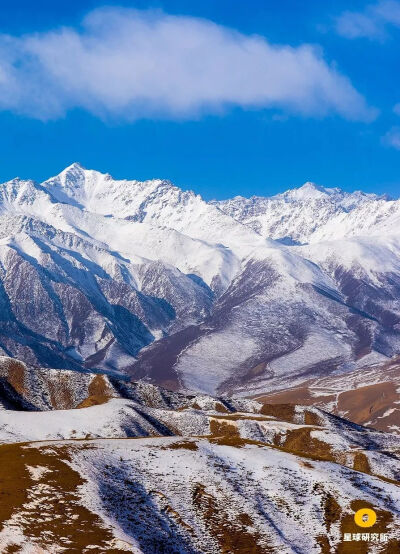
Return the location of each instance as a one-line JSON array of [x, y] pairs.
[[236, 102]]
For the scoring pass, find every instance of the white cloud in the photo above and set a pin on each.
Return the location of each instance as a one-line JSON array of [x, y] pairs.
[[392, 138], [131, 64], [371, 23]]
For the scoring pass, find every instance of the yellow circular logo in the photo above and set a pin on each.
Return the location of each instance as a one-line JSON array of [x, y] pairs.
[[365, 517]]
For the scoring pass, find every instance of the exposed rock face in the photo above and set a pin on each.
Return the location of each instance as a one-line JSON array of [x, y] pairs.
[[61, 309], [25, 388]]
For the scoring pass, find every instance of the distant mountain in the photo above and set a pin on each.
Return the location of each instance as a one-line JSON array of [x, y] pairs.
[[312, 213], [245, 296]]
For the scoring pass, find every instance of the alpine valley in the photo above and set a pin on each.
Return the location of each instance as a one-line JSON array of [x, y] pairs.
[[184, 377]]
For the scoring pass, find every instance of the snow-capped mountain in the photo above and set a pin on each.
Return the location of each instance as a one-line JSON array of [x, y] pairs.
[[312, 213], [243, 296]]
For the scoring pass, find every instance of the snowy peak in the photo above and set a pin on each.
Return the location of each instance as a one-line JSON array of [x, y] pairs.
[[311, 191], [156, 202], [311, 213], [23, 196], [301, 215], [74, 175], [75, 185], [114, 265], [99, 193], [75, 166]]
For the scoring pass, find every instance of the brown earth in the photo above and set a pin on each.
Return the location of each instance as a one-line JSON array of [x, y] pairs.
[[363, 396], [361, 463], [279, 410], [234, 536], [220, 428], [185, 445], [60, 393], [16, 376], [56, 516], [99, 393], [369, 403], [299, 441]]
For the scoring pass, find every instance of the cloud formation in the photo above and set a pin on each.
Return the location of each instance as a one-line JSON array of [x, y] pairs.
[[371, 23], [392, 138], [133, 64]]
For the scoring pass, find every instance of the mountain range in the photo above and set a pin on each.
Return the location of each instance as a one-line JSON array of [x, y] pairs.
[[243, 296], [186, 377]]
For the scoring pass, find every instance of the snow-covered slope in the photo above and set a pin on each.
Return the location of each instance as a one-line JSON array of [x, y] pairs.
[[273, 328], [141, 469], [157, 204], [188, 496], [147, 279]]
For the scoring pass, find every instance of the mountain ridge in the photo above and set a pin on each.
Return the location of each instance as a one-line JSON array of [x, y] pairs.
[[305, 214], [142, 278]]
